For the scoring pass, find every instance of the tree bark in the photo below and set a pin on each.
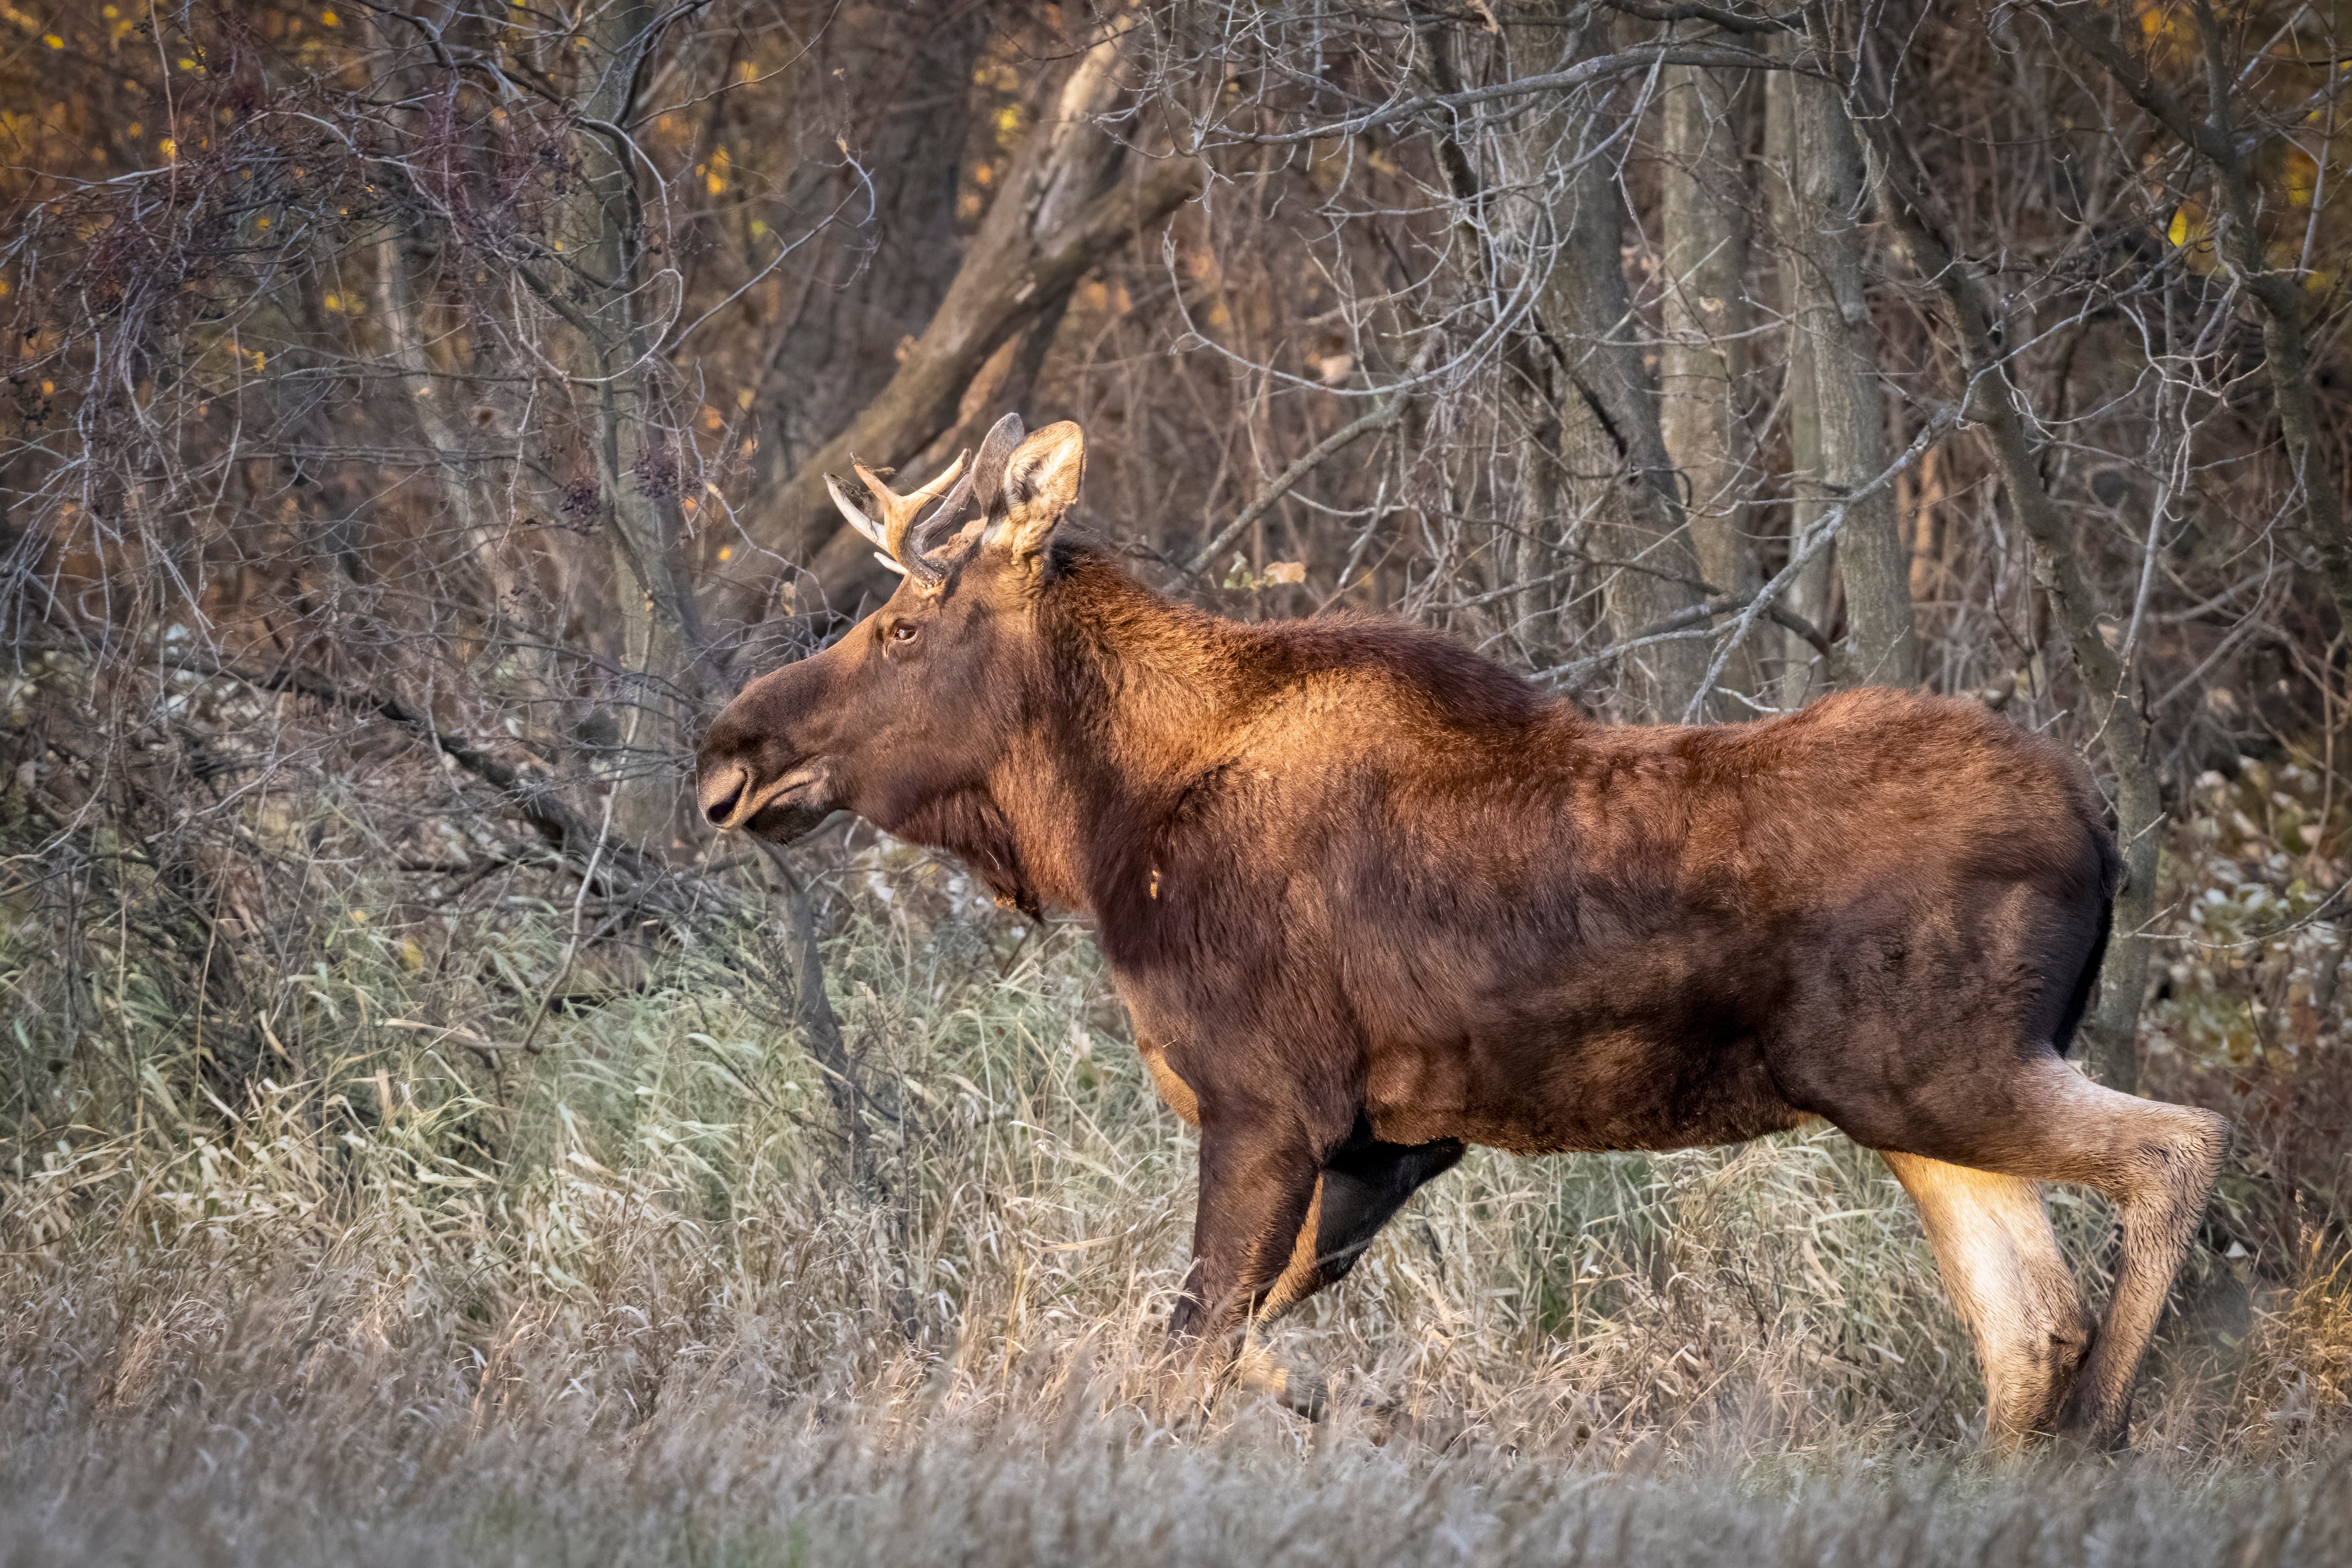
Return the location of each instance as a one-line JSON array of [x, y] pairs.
[[595, 286], [1833, 313], [1809, 596], [1707, 199]]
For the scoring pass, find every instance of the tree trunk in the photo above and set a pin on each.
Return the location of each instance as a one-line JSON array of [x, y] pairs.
[[1809, 596], [1705, 201], [596, 288], [1618, 468], [1833, 314]]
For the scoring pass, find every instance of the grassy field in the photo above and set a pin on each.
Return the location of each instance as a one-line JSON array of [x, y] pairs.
[[634, 1294]]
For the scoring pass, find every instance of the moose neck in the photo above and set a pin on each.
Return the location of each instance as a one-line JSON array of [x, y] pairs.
[[1133, 694]]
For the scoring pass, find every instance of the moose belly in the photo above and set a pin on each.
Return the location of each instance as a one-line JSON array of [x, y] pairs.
[[1548, 1091]]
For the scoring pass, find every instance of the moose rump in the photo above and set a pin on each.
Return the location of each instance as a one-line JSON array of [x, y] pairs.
[[1370, 898]]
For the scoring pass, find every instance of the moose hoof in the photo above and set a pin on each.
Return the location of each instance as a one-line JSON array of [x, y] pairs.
[[1255, 1370]]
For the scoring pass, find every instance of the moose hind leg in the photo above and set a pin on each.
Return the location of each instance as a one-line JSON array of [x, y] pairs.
[[2158, 1164], [1362, 1186], [2155, 1163], [2001, 1262]]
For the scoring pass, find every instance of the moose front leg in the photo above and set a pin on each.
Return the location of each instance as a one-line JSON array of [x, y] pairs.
[[1259, 1171], [1362, 1184]]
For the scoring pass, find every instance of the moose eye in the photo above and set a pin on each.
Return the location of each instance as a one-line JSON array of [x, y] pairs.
[[903, 633]]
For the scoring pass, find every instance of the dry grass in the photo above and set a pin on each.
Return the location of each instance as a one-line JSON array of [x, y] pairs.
[[616, 1300]]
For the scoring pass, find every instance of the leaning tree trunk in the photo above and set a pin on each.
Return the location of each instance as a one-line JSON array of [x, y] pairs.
[[1706, 197], [1074, 194]]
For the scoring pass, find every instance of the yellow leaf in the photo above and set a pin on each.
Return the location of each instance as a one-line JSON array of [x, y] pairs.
[[2193, 232], [2299, 173], [1285, 572]]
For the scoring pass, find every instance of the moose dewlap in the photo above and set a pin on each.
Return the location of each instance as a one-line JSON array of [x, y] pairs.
[[1370, 898]]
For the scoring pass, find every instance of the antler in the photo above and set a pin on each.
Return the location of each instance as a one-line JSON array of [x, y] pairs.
[[907, 544], [899, 511]]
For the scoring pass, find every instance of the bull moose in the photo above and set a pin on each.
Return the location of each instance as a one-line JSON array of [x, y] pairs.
[[1370, 897]]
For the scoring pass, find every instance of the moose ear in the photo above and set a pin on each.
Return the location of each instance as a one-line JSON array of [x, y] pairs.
[[988, 469], [1041, 481]]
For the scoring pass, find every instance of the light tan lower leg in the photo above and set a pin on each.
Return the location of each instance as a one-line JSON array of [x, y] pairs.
[[2157, 1163], [2001, 1262]]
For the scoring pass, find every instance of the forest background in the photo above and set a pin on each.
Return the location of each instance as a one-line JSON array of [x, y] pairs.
[[419, 1138]]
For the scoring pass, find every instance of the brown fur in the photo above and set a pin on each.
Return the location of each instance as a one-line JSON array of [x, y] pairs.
[[1370, 898]]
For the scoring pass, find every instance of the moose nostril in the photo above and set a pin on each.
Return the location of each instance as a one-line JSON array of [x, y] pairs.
[[718, 808]]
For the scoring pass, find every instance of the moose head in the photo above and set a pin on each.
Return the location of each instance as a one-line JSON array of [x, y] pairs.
[[917, 701]]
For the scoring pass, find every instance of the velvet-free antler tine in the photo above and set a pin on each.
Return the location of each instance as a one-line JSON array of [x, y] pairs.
[[899, 511], [851, 511], [933, 530]]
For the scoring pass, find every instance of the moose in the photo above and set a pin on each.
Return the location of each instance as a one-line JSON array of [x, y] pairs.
[[1370, 897]]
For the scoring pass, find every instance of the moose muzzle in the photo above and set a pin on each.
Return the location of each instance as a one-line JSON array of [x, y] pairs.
[[781, 809]]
